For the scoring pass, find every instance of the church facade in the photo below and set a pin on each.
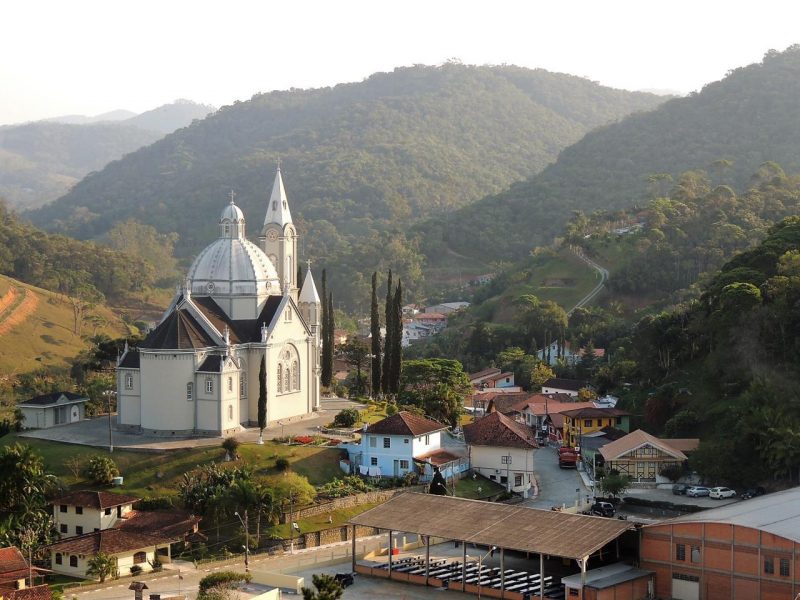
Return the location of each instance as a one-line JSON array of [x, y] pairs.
[[199, 371]]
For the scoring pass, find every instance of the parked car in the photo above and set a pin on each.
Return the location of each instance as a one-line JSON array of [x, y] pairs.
[[753, 492], [697, 490], [721, 492], [344, 579], [602, 509], [679, 489]]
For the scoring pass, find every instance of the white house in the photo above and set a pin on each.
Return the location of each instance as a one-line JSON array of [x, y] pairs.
[[53, 409], [389, 447], [85, 511], [241, 305], [570, 387], [568, 354], [502, 449]]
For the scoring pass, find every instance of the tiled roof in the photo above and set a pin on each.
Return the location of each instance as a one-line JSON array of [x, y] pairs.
[[95, 499], [212, 364], [110, 541], [168, 523], [573, 385], [499, 430], [541, 404], [11, 561], [241, 331], [594, 412], [623, 445], [438, 457], [130, 360], [48, 399], [405, 423], [484, 373], [179, 331], [682, 444], [505, 402], [37, 592]]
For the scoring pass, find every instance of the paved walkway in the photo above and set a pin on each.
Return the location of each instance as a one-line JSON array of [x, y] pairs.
[[557, 486], [94, 432]]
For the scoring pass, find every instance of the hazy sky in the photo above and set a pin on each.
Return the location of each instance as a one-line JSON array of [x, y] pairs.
[[89, 57]]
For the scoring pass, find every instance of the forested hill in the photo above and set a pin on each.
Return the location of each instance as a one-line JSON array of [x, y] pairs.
[[357, 158], [729, 128]]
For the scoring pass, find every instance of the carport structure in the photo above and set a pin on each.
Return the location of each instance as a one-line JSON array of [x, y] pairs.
[[491, 525]]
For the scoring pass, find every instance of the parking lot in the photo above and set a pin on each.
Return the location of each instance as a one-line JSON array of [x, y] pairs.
[[666, 495]]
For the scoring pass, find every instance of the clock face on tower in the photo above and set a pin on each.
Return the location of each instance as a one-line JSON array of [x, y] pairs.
[[272, 235]]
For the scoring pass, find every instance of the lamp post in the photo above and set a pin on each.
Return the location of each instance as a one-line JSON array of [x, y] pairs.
[[480, 568], [246, 540], [108, 394]]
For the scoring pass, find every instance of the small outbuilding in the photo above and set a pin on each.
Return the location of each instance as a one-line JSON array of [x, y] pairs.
[[49, 410]]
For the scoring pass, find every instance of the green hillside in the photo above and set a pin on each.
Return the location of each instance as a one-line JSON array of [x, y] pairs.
[[361, 161], [729, 128]]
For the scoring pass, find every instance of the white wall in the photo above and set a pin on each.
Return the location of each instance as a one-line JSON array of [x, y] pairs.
[[434, 442], [164, 379], [487, 460], [400, 449], [91, 519]]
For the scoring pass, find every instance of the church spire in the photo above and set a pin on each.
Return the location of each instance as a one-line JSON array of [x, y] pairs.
[[278, 207]]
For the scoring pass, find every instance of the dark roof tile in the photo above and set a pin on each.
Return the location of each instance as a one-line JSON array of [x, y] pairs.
[[405, 423], [48, 399], [92, 499], [499, 430]]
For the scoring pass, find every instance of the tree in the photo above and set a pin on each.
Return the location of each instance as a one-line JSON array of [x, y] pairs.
[[388, 342], [347, 417], [327, 588], [262, 399], [294, 486], [375, 331], [437, 385], [614, 483], [355, 354], [397, 340], [102, 469], [331, 335], [230, 444], [539, 374], [327, 351], [101, 565]]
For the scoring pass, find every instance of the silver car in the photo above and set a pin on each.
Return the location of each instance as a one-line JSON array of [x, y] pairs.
[[698, 490], [721, 492]]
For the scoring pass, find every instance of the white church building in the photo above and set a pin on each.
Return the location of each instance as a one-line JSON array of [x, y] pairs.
[[197, 372]]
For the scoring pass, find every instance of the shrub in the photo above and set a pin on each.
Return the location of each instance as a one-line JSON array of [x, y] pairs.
[[135, 570], [391, 409], [346, 486], [231, 445], [282, 464], [101, 469], [156, 503], [347, 417], [302, 492], [222, 579]]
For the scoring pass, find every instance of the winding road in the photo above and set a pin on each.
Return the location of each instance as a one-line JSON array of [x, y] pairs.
[[597, 289]]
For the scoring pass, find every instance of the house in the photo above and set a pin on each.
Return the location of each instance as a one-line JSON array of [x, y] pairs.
[[413, 331], [482, 279], [71, 556], [436, 321], [582, 421], [445, 308], [85, 511], [49, 410], [409, 310], [14, 577], [389, 447], [477, 379], [571, 387], [502, 449], [507, 403], [567, 353], [537, 408], [738, 551], [642, 456]]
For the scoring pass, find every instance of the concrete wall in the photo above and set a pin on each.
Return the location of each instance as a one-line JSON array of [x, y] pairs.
[[347, 502], [278, 580], [488, 461]]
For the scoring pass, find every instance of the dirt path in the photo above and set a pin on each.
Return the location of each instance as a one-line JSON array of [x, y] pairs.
[[19, 311], [597, 289]]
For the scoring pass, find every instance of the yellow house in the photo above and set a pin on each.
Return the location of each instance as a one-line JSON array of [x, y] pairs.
[[129, 548], [86, 512], [582, 421]]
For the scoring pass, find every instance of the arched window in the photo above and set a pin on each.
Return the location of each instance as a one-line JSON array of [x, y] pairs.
[[230, 412], [230, 384], [139, 558], [189, 391], [288, 369], [243, 385], [295, 376], [287, 381], [280, 378]]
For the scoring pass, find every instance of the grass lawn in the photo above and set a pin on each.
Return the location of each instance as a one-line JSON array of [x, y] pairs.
[[319, 522], [57, 581], [150, 474], [468, 488], [372, 414]]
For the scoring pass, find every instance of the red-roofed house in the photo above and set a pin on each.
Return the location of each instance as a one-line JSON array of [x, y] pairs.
[[502, 449], [14, 577]]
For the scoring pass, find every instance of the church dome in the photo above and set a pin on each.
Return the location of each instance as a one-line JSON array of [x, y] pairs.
[[232, 265]]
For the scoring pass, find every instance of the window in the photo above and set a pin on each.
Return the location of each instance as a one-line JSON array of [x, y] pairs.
[[230, 384], [784, 567], [78, 510], [63, 508], [139, 558], [505, 460], [517, 480], [427, 440], [189, 391], [587, 422], [227, 228], [108, 511], [373, 442], [503, 479], [287, 379], [680, 552], [289, 369], [403, 464], [209, 385], [493, 477], [573, 591], [73, 561], [387, 442], [374, 461], [280, 379], [405, 440], [63, 528], [769, 566], [78, 530], [243, 385], [295, 376], [128, 381], [230, 412], [695, 554], [59, 558], [599, 422], [619, 420]]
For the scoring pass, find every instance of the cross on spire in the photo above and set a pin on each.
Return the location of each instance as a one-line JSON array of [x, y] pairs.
[[232, 195], [308, 263], [279, 163]]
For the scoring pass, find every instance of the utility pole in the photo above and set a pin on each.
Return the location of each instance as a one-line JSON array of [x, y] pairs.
[[291, 523], [108, 394], [245, 524]]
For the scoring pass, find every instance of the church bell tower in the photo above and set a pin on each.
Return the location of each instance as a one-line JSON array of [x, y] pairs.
[[278, 238]]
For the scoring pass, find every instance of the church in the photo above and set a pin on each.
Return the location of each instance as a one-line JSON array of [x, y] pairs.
[[240, 307]]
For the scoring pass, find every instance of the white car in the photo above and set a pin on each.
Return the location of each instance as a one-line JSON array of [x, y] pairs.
[[721, 492]]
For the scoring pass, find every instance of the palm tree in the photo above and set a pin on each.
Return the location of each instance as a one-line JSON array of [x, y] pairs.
[[101, 565]]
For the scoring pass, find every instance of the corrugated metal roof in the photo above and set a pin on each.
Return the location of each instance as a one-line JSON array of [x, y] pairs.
[[606, 577], [491, 524], [777, 513]]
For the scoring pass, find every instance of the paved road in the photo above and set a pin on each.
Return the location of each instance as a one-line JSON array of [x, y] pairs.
[[94, 432], [596, 290], [556, 486]]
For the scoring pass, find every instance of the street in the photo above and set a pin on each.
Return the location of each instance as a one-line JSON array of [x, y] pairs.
[[557, 486]]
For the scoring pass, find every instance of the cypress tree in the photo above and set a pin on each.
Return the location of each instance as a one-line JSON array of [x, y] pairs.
[[375, 330], [387, 344], [262, 398], [327, 351], [330, 336], [299, 275], [397, 338]]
